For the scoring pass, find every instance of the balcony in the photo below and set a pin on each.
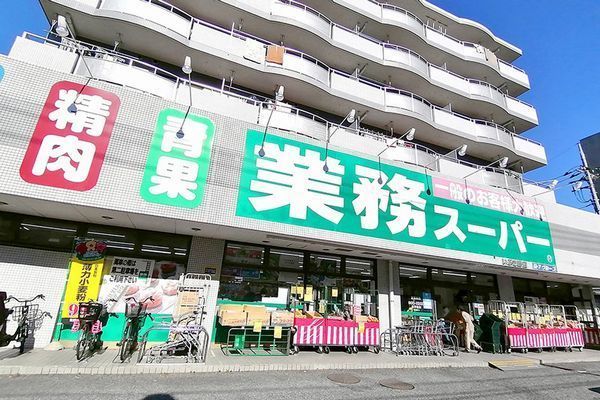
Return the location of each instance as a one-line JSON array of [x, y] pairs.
[[109, 66], [384, 59], [232, 49]]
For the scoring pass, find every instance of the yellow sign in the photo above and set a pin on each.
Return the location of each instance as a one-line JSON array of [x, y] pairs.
[[308, 295], [334, 292], [83, 285], [322, 307], [361, 327], [294, 289], [257, 327], [277, 333]]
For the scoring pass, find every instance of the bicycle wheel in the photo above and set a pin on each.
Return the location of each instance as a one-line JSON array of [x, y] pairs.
[[126, 342], [142, 351], [83, 344]]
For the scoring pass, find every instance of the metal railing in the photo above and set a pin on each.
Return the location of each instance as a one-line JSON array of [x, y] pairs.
[[262, 103]]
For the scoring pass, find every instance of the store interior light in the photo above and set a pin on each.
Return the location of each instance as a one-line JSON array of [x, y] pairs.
[[105, 234], [52, 228]]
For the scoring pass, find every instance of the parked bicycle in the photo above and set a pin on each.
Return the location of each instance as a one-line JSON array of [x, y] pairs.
[[135, 312], [90, 319], [25, 314]]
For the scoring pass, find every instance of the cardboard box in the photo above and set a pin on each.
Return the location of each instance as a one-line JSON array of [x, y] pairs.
[[230, 307], [282, 318], [254, 308], [253, 316], [360, 318], [232, 318]]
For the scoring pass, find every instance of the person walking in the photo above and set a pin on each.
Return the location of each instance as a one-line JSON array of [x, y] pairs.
[[469, 331]]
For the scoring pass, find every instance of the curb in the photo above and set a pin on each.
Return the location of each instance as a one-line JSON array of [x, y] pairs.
[[191, 369]]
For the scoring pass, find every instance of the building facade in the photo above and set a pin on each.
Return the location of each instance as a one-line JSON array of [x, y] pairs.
[[286, 157]]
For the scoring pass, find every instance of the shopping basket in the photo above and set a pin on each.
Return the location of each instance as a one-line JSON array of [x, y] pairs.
[[134, 310], [89, 311]]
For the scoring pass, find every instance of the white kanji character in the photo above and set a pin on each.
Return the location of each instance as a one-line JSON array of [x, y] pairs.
[[452, 225], [407, 193], [517, 227], [482, 198], [91, 112], [175, 177], [298, 181], [494, 200], [457, 192], [192, 141], [529, 209], [371, 196], [65, 151]]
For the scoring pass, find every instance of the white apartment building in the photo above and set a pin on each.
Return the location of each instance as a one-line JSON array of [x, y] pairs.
[[367, 146]]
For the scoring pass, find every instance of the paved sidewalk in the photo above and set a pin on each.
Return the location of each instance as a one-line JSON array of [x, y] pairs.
[[42, 362]]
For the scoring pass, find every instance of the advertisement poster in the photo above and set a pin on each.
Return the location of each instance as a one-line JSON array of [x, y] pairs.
[[129, 270], [160, 295], [83, 285]]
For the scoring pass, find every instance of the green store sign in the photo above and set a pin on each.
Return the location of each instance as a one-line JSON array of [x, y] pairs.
[[178, 160], [289, 185]]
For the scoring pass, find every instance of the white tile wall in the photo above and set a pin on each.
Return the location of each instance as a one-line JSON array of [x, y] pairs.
[[25, 273]]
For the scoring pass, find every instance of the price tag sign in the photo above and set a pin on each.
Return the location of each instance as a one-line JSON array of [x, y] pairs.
[[257, 327], [334, 292], [278, 332], [361, 327], [308, 296]]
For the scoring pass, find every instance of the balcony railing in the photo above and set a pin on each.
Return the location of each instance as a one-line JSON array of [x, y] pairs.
[[310, 69], [299, 13], [114, 67]]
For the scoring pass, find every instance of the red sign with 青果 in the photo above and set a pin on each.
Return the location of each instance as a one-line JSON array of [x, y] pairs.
[[70, 140]]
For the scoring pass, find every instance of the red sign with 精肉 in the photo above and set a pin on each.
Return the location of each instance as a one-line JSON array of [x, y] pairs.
[[70, 140]]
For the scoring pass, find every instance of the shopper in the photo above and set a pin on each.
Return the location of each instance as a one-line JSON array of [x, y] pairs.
[[469, 331]]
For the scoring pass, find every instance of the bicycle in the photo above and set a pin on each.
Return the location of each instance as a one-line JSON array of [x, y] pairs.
[[21, 314], [91, 317], [135, 312]]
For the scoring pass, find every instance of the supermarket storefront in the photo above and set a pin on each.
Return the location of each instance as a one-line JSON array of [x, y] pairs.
[[261, 226]]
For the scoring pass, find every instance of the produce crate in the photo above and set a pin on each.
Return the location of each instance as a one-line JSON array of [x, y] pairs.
[[340, 333], [309, 332], [370, 336]]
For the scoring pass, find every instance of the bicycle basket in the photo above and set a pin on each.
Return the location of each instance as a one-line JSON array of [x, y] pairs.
[[31, 311], [89, 311], [134, 310]]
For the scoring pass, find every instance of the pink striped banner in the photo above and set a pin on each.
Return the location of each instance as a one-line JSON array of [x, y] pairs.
[[309, 331], [340, 333], [517, 338], [371, 335], [592, 336]]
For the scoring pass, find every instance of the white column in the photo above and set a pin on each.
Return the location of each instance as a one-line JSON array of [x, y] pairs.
[[505, 287], [206, 255], [388, 286]]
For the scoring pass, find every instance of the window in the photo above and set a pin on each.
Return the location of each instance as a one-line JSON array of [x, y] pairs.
[[242, 255], [38, 232], [325, 264], [286, 259], [478, 279], [412, 273], [359, 267], [448, 276]]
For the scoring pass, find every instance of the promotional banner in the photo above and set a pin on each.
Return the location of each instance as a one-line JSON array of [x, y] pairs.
[[178, 160], [83, 285], [70, 140], [292, 184]]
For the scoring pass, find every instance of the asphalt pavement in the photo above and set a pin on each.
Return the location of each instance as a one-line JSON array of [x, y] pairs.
[[561, 382]]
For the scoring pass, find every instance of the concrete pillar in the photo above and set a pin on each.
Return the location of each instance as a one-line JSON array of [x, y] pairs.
[[505, 288], [206, 256], [388, 286]]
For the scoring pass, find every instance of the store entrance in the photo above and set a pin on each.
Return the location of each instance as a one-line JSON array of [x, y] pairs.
[[428, 292]]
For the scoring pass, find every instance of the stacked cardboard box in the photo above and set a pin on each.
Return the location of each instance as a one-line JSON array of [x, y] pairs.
[[282, 318], [232, 315], [257, 314]]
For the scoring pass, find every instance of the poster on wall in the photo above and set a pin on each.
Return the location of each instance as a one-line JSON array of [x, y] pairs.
[[83, 285], [129, 270], [159, 295], [69, 143], [89, 250]]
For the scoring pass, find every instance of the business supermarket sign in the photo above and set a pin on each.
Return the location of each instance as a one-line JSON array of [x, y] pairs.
[[290, 185]]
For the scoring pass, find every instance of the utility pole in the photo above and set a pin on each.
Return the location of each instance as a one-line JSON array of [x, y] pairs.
[[590, 178]]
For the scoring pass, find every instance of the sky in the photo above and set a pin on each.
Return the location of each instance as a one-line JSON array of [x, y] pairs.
[[561, 54]]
